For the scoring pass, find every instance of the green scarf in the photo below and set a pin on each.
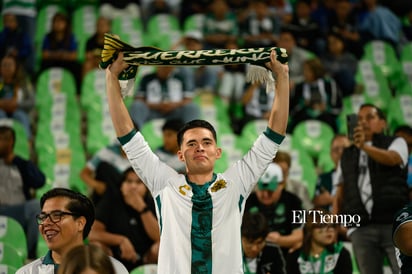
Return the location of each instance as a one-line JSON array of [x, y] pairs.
[[151, 56], [325, 264]]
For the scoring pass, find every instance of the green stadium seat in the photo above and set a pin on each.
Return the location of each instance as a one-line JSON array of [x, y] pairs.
[[400, 111], [152, 132], [10, 255], [252, 130], [313, 137], [351, 104], [12, 233], [130, 30], [406, 52], [145, 269], [194, 22], [84, 26], [21, 147], [405, 86], [163, 31], [303, 169]]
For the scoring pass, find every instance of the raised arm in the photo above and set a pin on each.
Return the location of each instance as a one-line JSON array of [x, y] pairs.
[[122, 122], [279, 114]]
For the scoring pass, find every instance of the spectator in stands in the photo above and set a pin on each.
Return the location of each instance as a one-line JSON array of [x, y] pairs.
[[307, 32], [168, 151], [59, 47], [220, 25], [320, 251], [26, 16], [16, 97], [282, 10], [405, 131], [94, 45], [371, 182], [324, 187], [15, 42], [19, 177], [259, 256], [317, 97], [103, 171], [340, 64], [132, 234], [86, 259], [260, 28], [343, 21], [188, 8], [377, 22], [65, 221], [407, 25], [197, 78], [300, 189], [296, 56], [277, 205], [163, 94]]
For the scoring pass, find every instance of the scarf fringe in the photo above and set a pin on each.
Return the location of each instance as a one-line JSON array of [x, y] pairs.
[[260, 75]]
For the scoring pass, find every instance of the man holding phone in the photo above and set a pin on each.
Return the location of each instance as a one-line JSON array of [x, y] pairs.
[[371, 180]]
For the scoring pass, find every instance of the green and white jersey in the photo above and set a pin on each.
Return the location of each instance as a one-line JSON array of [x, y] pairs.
[[22, 7], [200, 225], [402, 217]]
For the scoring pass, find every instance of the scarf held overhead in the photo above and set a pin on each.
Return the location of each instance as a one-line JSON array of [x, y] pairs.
[[151, 56]]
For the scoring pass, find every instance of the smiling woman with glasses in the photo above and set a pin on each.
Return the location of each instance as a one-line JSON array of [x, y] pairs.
[[54, 216]]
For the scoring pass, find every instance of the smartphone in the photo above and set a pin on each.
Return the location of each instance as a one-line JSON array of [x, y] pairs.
[[351, 122]]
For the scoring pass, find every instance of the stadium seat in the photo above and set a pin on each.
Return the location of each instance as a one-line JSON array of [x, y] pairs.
[[10, 256], [194, 22], [12, 233], [303, 169], [313, 137], [21, 147], [350, 105], [130, 30], [84, 26], [252, 130], [145, 269], [152, 132], [406, 52], [400, 111], [163, 31]]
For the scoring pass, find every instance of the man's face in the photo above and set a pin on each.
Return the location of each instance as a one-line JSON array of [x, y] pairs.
[[62, 235], [371, 123], [252, 248], [199, 150]]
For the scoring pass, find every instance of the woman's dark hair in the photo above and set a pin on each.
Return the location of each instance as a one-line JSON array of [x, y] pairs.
[[254, 226], [195, 124], [67, 32], [79, 205]]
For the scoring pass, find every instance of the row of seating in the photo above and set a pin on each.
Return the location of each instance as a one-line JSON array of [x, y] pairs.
[[13, 245]]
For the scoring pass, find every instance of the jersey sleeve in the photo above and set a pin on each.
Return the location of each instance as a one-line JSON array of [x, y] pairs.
[[401, 217]]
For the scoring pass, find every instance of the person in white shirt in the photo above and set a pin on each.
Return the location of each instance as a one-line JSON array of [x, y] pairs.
[[199, 213]]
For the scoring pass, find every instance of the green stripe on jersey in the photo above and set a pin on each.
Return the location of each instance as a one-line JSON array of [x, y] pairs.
[[201, 231], [159, 207]]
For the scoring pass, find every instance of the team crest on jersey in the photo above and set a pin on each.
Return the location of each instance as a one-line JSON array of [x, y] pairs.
[[218, 185]]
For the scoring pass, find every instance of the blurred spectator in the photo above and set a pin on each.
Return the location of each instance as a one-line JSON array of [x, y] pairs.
[[60, 47], [163, 94], [277, 205], [232, 84], [257, 104], [371, 182], [320, 251], [317, 97], [64, 222], [168, 151], [16, 96], [103, 171], [405, 132], [26, 12], [132, 234], [86, 259], [407, 25], [343, 21], [220, 25], [377, 22], [306, 31], [282, 10], [340, 64], [94, 45], [300, 189], [197, 78], [296, 56], [260, 28], [112, 9], [189, 7], [259, 255], [19, 178], [15, 42], [324, 186]]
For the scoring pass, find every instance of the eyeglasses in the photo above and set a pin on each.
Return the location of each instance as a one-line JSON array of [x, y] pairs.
[[54, 216]]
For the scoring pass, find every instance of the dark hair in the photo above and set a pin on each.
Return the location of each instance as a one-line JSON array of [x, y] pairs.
[[316, 67], [283, 156], [79, 204], [5, 129], [403, 128], [173, 124], [82, 257], [254, 226], [379, 111], [195, 124]]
